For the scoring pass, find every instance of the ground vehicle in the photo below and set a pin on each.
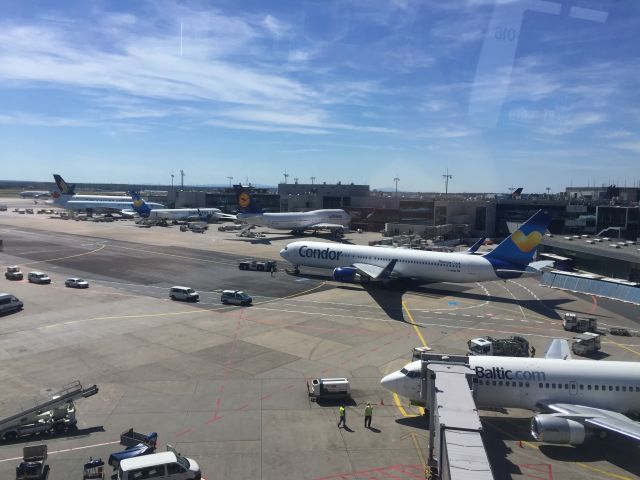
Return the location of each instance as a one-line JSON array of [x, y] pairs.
[[93, 469], [585, 343], [259, 265], [137, 444], [515, 346], [38, 277], [330, 388], [13, 273], [75, 282], [55, 412], [571, 322], [168, 465], [34, 463], [184, 293], [235, 297], [9, 303], [197, 227]]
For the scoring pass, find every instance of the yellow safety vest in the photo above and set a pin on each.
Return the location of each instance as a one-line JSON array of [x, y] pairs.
[[342, 411], [368, 410]]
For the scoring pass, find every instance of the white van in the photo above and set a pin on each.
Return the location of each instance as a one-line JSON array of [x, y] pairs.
[[184, 293], [165, 466]]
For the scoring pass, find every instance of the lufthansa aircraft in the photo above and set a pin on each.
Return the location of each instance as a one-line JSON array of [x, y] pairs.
[[205, 214], [334, 220], [351, 263], [579, 398], [67, 198]]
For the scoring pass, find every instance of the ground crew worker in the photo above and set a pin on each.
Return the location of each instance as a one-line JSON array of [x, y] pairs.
[[343, 418], [533, 351], [368, 413]]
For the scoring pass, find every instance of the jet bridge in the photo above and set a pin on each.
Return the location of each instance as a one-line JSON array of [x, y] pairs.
[[456, 449]]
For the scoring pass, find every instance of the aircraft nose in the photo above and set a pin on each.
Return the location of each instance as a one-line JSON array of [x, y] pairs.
[[284, 253], [392, 381]]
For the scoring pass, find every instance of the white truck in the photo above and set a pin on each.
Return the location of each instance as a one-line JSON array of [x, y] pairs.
[[330, 388], [573, 323], [515, 346], [585, 344], [53, 413]]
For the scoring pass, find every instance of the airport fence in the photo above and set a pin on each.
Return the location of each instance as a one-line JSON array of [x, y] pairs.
[[591, 286]]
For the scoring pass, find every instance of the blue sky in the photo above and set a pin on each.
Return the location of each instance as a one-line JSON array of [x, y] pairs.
[[502, 93]]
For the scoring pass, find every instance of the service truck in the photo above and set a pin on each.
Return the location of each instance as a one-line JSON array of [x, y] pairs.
[[259, 265], [13, 273], [573, 323], [585, 344], [515, 346]]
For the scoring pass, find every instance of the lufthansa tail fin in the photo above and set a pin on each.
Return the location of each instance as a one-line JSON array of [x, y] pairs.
[[246, 204], [139, 206], [519, 247], [64, 187]]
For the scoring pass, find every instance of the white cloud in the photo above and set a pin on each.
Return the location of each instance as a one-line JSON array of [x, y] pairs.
[[274, 26], [631, 146]]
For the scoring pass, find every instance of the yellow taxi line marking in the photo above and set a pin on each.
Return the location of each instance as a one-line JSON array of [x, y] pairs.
[[413, 322], [415, 443], [604, 472], [623, 346], [398, 403], [64, 258]]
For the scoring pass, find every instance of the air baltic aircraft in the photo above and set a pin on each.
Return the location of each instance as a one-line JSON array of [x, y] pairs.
[[351, 263], [204, 214], [67, 198], [580, 398], [334, 220]]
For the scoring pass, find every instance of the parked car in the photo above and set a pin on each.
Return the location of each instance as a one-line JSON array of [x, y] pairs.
[[186, 294], [13, 273], [75, 282], [235, 297], [9, 303], [39, 277]]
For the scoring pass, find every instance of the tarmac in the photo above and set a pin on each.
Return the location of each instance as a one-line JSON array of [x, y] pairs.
[[227, 386]]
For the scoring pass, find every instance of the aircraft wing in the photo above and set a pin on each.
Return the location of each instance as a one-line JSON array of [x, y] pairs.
[[597, 417], [373, 271]]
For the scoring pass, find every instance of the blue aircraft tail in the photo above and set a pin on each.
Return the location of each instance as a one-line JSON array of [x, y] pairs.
[[63, 186], [517, 249], [246, 204], [139, 206]]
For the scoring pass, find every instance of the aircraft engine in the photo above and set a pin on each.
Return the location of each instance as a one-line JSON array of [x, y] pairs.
[[346, 274], [556, 429]]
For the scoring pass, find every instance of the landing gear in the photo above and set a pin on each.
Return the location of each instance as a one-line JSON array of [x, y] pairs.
[[296, 270]]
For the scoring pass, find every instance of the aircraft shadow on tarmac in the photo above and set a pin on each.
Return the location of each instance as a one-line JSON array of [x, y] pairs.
[[293, 238], [417, 421], [615, 449]]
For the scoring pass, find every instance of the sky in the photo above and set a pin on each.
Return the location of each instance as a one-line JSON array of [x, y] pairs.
[[500, 93]]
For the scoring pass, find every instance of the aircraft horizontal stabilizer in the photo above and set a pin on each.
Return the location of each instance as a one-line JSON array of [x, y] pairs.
[[558, 349]]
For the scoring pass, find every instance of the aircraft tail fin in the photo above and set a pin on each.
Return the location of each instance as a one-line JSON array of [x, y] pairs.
[[64, 187], [246, 204], [474, 248], [517, 249], [517, 192], [139, 205]]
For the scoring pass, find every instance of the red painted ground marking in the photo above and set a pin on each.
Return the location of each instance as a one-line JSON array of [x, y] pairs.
[[288, 386], [215, 418], [375, 349], [543, 469], [264, 397], [184, 432], [386, 472], [221, 389], [595, 304], [241, 407]]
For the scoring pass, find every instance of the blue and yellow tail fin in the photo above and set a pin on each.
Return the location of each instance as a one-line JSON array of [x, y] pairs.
[[519, 248], [64, 187], [139, 206], [246, 204]]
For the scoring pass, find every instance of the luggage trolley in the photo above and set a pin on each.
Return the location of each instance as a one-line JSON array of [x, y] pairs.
[[93, 470]]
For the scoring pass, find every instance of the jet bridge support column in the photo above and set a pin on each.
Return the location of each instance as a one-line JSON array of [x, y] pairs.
[[456, 450]]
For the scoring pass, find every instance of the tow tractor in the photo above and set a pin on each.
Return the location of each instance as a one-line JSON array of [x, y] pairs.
[[53, 413], [13, 273], [258, 265]]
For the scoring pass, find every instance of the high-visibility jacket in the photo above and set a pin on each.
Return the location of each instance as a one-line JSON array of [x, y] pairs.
[[342, 411], [368, 410]]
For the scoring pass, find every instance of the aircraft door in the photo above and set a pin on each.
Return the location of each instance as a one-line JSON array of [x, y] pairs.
[[573, 388]]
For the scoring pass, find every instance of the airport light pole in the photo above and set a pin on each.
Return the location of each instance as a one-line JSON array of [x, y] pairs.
[[312, 180], [396, 179], [230, 180], [446, 177], [286, 175], [172, 175], [548, 189], [182, 174]]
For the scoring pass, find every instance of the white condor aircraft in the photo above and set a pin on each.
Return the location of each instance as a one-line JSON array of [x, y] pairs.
[[67, 198], [207, 214], [334, 220], [511, 259], [580, 398]]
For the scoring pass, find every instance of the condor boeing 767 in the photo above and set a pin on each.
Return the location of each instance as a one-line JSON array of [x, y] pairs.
[[579, 397], [511, 259]]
